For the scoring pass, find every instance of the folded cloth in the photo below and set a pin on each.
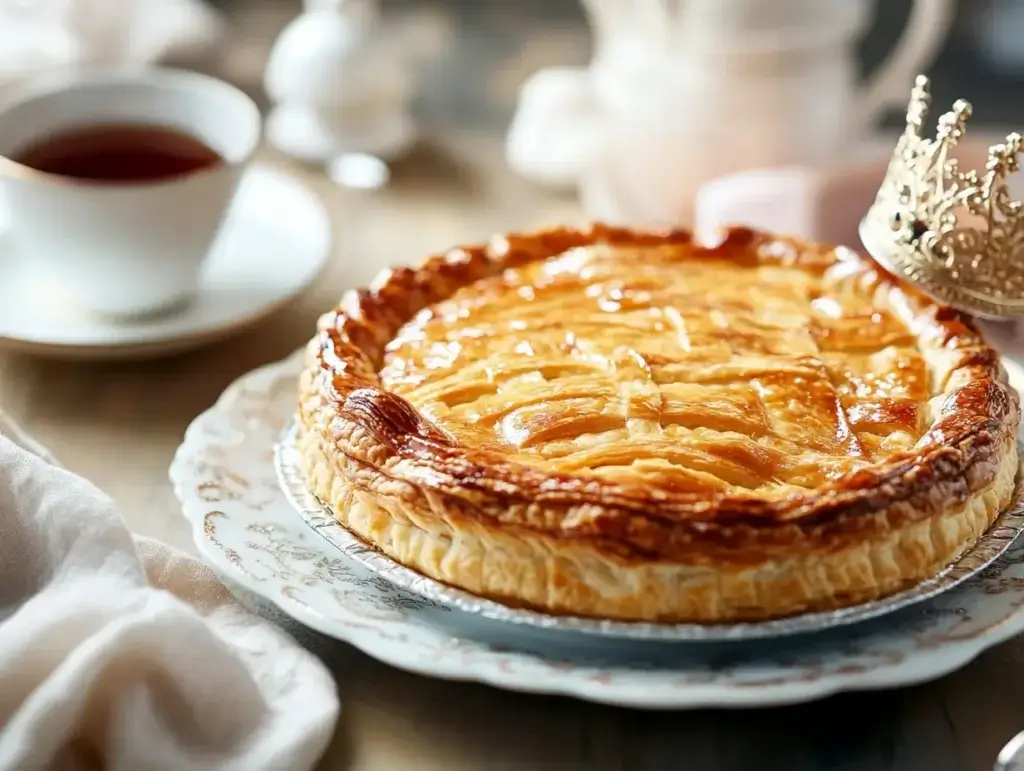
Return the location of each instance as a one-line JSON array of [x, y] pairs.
[[123, 654]]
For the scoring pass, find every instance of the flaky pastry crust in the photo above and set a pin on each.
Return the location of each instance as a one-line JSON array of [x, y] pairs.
[[628, 425]]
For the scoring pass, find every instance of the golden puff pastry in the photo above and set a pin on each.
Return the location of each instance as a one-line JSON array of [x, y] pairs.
[[628, 425]]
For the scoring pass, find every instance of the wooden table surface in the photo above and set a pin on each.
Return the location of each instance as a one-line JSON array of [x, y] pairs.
[[119, 424]]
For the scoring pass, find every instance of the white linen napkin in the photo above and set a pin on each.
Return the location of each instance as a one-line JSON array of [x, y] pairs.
[[127, 655]]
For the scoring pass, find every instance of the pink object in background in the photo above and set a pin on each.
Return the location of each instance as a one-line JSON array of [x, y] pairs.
[[822, 204]]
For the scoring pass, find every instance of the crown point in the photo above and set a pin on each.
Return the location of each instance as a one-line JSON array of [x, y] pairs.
[[917, 109], [956, 233]]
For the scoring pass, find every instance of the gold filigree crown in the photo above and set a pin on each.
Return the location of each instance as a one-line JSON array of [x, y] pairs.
[[959, 235]]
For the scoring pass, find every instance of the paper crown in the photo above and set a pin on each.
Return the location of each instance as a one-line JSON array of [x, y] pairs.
[[958, 235]]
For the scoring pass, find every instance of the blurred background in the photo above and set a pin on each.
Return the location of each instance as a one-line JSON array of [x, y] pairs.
[[483, 49], [469, 58], [491, 115], [472, 57]]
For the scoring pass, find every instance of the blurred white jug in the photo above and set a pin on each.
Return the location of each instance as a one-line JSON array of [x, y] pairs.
[[680, 92]]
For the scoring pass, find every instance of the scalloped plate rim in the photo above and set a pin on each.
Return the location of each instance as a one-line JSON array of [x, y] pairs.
[[923, 666]]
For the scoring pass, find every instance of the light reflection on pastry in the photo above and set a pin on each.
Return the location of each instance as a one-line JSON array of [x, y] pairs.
[[626, 425]]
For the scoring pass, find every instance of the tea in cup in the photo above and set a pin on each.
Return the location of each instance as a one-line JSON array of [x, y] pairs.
[[116, 183]]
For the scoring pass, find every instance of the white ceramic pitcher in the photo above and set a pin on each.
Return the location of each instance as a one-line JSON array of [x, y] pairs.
[[680, 92]]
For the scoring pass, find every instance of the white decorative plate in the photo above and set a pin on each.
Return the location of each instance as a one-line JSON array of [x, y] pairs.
[[224, 476]]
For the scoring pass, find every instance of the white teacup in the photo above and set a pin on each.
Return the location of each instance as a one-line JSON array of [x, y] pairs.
[[123, 247]]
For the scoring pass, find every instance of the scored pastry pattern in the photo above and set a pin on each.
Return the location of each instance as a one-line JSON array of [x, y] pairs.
[[630, 425], [624, 365]]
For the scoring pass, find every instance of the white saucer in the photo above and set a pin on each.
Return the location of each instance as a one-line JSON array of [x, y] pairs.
[[275, 241]]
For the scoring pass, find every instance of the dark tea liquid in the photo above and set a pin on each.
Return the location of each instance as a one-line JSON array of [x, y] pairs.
[[118, 153]]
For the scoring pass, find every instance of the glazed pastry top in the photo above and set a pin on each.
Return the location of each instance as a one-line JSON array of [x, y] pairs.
[[641, 366]]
